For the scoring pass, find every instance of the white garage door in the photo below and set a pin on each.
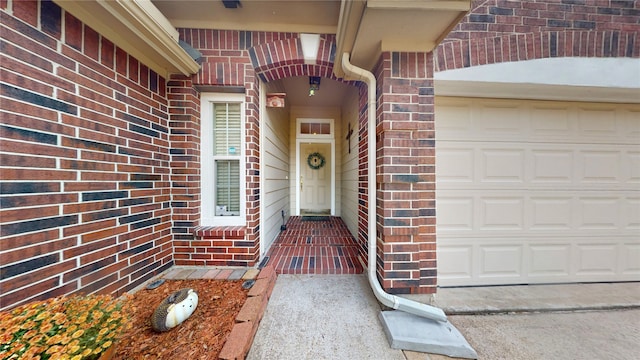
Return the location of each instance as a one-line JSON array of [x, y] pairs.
[[537, 191]]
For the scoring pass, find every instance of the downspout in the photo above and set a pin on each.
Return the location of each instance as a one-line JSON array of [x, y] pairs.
[[392, 301]]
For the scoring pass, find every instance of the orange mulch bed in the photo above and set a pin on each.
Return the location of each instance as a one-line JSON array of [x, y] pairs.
[[201, 336]]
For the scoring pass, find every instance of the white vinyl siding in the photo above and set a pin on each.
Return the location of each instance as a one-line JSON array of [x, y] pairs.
[[222, 159], [274, 173]]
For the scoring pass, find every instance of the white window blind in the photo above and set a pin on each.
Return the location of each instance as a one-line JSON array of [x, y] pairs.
[[227, 132], [227, 139], [227, 187]]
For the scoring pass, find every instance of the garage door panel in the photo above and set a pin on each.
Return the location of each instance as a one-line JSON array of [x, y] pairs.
[[596, 259], [551, 121], [501, 213], [456, 263], [455, 213], [599, 166], [549, 260], [552, 213], [489, 213], [499, 119], [601, 213], [537, 191], [486, 165], [631, 125], [537, 121], [631, 161], [593, 122], [500, 261], [552, 166], [631, 215], [456, 164], [630, 259], [502, 165]]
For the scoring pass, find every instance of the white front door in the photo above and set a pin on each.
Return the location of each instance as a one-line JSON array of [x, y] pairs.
[[315, 178]]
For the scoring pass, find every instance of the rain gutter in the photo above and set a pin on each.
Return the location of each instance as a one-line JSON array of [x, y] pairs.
[[355, 73]]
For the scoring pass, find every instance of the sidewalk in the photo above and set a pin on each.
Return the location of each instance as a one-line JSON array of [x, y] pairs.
[[335, 317]]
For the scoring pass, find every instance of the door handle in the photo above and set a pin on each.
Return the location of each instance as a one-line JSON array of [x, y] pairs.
[[300, 182]]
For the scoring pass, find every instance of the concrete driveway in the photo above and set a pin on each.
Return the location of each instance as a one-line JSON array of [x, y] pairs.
[[336, 317], [613, 334]]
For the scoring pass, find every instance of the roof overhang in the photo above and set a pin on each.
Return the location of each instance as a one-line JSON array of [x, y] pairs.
[[139, 28], [368, 28], [146, 29]]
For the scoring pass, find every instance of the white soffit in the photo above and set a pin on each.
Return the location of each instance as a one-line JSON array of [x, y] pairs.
[[572, 79]]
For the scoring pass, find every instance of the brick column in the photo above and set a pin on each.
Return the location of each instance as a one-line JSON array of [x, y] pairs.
[[406, 173], [184, 136]]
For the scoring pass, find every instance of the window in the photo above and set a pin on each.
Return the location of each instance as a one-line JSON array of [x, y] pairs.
[[222, 159]]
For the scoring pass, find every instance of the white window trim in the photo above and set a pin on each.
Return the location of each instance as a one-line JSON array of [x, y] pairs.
[[207, 167]]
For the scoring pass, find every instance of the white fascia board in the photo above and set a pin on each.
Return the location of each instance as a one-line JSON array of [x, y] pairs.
[[139, 28]]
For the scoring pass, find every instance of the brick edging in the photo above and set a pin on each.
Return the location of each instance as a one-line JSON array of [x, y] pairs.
[[241, 337]]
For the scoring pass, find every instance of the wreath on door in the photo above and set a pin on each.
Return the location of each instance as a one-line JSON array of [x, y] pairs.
[[315, 160]]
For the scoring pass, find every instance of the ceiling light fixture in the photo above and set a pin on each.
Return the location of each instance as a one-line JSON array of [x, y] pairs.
[[314, 84]]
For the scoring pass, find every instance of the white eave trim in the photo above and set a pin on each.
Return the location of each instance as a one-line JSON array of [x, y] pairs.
[[139, 28], [567, 79]]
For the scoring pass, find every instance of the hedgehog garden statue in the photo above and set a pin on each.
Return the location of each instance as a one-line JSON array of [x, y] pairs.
[[175, 309]]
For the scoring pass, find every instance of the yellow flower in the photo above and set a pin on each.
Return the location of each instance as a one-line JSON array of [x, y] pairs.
[[59, 318], [107, 344], [77, 357], [103, 331], [74, 349], [86, 352], [64, 340], [97, 314], [28, 325], [43, 315], [29, 334], [54, 339], [55, 350], [45, 328], [77, 334]]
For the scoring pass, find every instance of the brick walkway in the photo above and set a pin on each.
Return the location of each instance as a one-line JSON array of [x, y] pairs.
[[322, 246]]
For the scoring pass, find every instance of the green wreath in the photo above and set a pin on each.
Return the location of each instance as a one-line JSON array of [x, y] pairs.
[[315, 160]]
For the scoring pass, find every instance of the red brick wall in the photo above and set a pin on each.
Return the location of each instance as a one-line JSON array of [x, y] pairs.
[[226, 66], [85, 156], [506, 30], [406, 173], [232, 60]]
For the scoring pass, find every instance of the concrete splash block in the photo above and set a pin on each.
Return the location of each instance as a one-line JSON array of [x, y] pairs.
[[411, 332]]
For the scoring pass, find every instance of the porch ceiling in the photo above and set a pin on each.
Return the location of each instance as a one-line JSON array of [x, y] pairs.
[[363, 28], [306, 16]]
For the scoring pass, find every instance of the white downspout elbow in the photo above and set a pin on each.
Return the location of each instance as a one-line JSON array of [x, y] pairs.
[[413, 307]]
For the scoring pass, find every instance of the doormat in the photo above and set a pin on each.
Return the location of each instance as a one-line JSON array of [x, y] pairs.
[[316, 218]]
